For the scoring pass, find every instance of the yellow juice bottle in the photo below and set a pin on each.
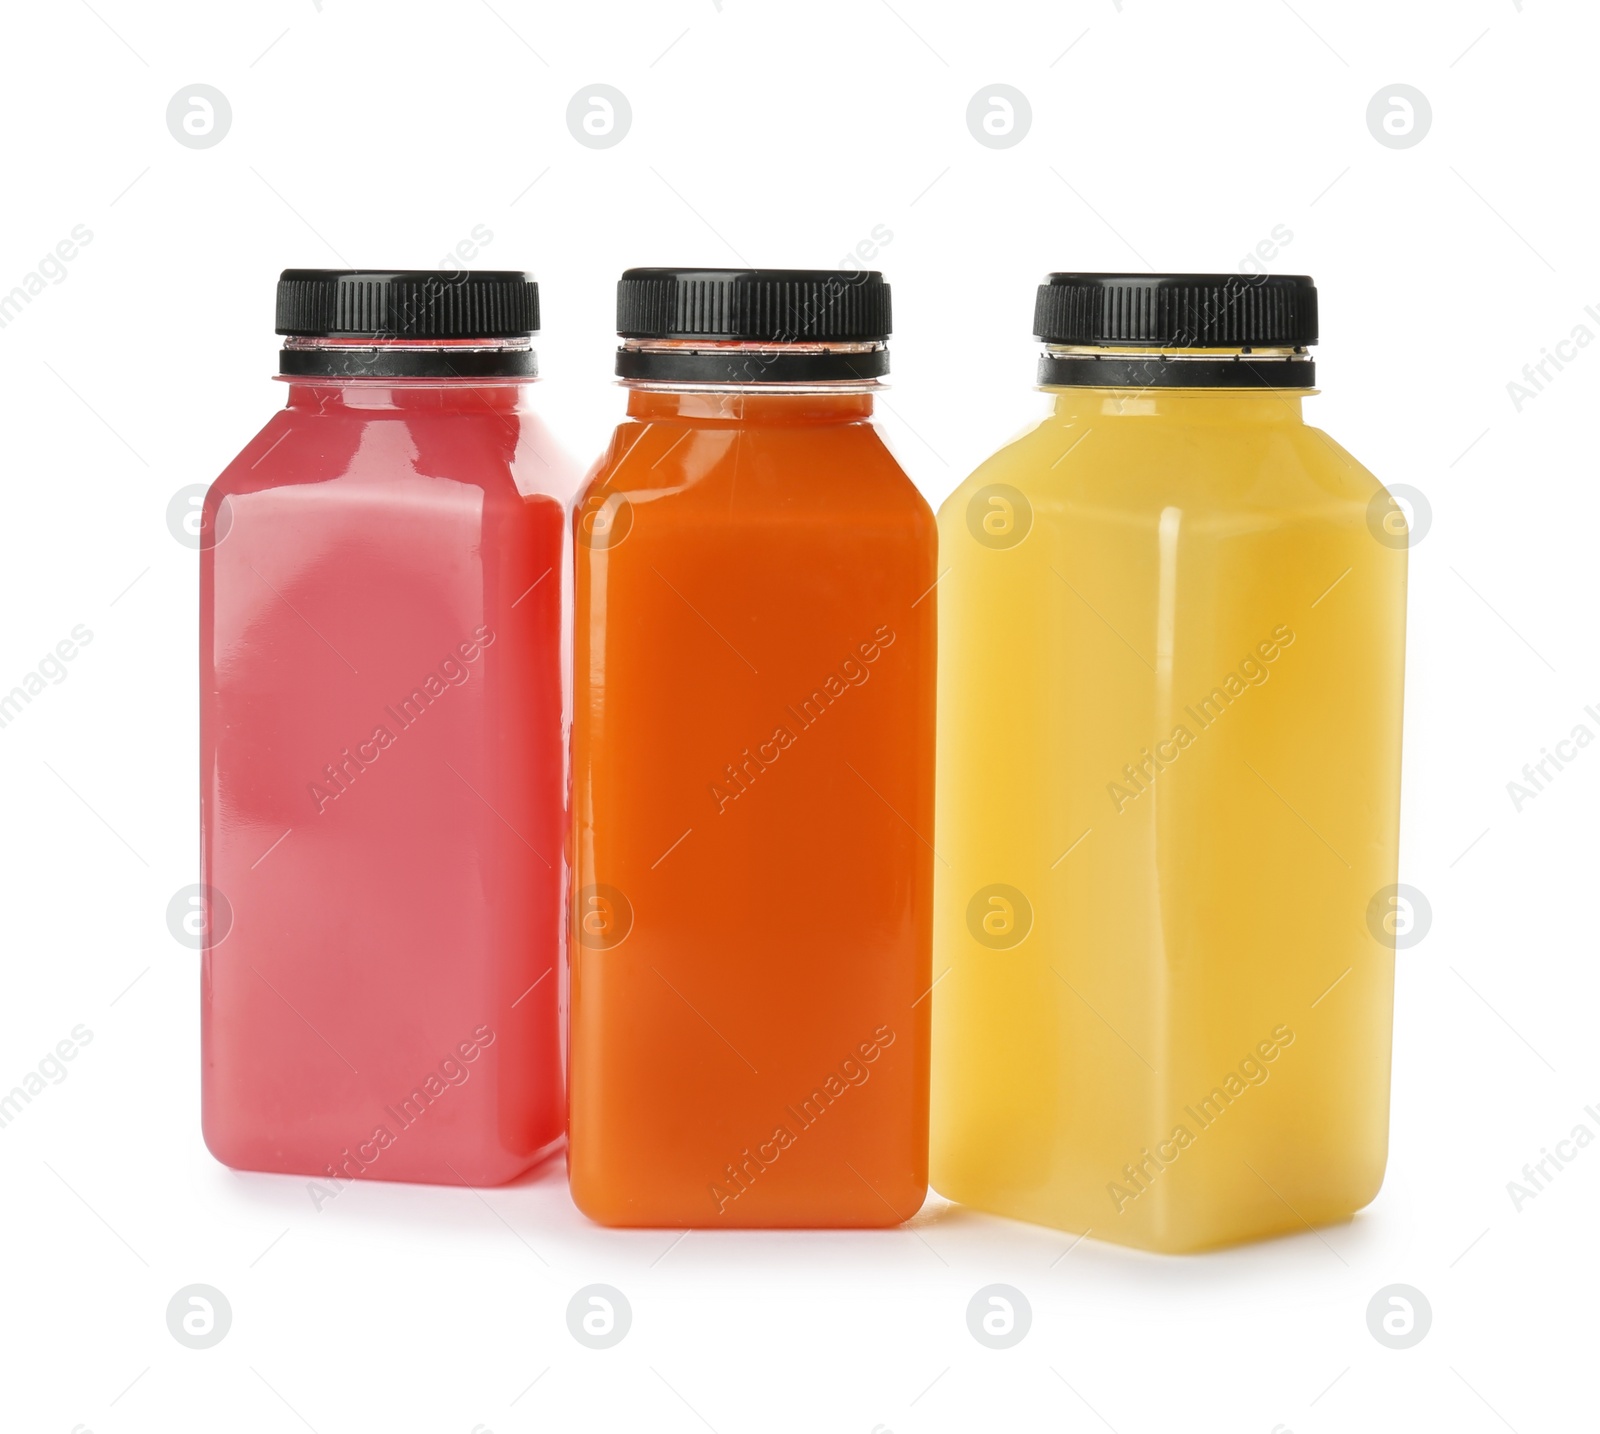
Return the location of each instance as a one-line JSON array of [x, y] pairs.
[[1172, 626]]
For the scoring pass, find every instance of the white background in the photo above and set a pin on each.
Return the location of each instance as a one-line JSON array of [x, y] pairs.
[[1171, 135]]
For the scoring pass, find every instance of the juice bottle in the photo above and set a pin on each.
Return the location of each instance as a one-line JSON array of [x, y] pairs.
[[383, 731], [1171, 661], [753, 769]]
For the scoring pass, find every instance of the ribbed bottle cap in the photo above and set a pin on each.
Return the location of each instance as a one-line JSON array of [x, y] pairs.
[[756, 305], [1177, 311], [408, 303], [763, 307]]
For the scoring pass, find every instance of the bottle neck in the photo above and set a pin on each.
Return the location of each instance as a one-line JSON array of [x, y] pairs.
[[775, 405], [1194, 406], [371, 395]]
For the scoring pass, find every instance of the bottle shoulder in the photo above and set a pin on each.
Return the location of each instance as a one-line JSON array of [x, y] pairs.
[[838, 465], [502, 455], [1137, 466]]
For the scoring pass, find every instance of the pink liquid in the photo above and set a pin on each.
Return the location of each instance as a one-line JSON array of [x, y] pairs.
[[382, 730]]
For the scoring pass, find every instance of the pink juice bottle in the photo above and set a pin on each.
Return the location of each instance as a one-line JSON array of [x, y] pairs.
[[383, 730]]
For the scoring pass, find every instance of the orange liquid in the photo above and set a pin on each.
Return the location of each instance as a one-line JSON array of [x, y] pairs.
[[753, 806]]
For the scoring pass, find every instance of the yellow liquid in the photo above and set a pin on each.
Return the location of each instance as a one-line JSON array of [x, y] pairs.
[[1170, 671]]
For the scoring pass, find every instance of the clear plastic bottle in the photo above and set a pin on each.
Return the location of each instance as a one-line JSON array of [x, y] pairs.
[[753, 769], [383, 730], [1171, 663]]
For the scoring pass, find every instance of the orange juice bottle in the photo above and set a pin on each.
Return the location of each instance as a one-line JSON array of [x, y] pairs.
[[1171, 656], [752, 769]]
